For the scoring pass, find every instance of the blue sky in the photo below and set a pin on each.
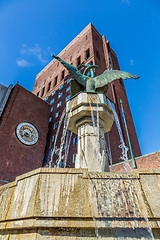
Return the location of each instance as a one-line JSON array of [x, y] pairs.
[[30, 30]]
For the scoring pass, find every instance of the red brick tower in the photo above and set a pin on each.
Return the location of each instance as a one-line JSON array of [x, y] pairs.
[[52, 85]]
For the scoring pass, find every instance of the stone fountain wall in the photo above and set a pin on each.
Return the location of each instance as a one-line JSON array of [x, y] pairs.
[[52, 203]]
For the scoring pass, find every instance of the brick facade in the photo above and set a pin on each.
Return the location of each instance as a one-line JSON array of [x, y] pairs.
[[146, 162], [88, 47], [17, 158]]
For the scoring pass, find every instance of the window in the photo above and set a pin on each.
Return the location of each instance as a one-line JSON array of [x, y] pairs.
[[68, 89], [52, 101], [42, 92], [60, 95], [52, 109], [87, 53], [53, 93], [89, 74], [55, 80], [90, 63], [68, 81], [53, 138], [49, 86], [98, 55], [59, 104], [37, 94], [62, 75], [50, 119], [64, 147], [56, 125], [75, 140], [68, 97], [110, 61], [74, 157], [61, 87], [57, 114], [78, 61]]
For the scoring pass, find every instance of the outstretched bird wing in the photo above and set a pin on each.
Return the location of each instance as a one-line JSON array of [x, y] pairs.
[[110, 75]]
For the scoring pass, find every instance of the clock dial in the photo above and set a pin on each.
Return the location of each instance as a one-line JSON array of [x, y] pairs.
[[27, 133]]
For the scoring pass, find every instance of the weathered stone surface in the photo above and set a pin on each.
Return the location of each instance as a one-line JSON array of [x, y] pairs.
[[74, 204], [90, 118]]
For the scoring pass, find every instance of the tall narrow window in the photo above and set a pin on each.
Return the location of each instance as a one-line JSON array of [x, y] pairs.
[[52, 101], [59, 104], [59, 95], [55, 80], [87, 53], [53, 138], [50, 119], [42, 92], [74, 158], [57, 114], [62, 76], [53, 93], [111, 62], [56, 125], [60, 87], [78, 61], [68, 97], [98, 55], [49, 86], [68, 89]]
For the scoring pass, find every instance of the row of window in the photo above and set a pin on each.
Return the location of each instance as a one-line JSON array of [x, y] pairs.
[[59, 95], [49, 86], [58, 105], [78, 63]]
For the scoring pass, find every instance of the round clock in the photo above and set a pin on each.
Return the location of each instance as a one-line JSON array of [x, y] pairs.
[[27, 133]]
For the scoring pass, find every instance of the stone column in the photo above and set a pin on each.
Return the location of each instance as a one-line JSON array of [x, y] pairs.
[[90, 128]]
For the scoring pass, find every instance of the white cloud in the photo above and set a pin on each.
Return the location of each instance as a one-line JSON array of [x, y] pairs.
[[131, 62], [36, 51], [22, 63]]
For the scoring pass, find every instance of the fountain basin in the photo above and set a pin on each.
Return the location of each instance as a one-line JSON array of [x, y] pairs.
[[50, 203]]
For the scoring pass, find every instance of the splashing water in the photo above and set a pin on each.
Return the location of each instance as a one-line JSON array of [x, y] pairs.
[[96, 130], [108, 147], [124, 148], [149, 229], [57, 133], [67, 148], [128, 168], [65, 127], [92, 209]]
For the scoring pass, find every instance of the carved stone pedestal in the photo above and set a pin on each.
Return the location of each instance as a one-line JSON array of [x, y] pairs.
[[90, 118]]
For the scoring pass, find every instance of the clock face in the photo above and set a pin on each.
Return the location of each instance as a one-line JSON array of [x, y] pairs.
[[27, 133]]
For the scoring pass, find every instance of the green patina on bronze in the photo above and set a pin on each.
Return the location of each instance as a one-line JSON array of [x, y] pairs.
[[100, 83]]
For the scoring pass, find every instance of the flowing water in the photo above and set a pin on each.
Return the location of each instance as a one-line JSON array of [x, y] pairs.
[[95, 121], [108, 147], [112, 189], [50, 163], [68, 141], [65, 127], [124, 148]]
